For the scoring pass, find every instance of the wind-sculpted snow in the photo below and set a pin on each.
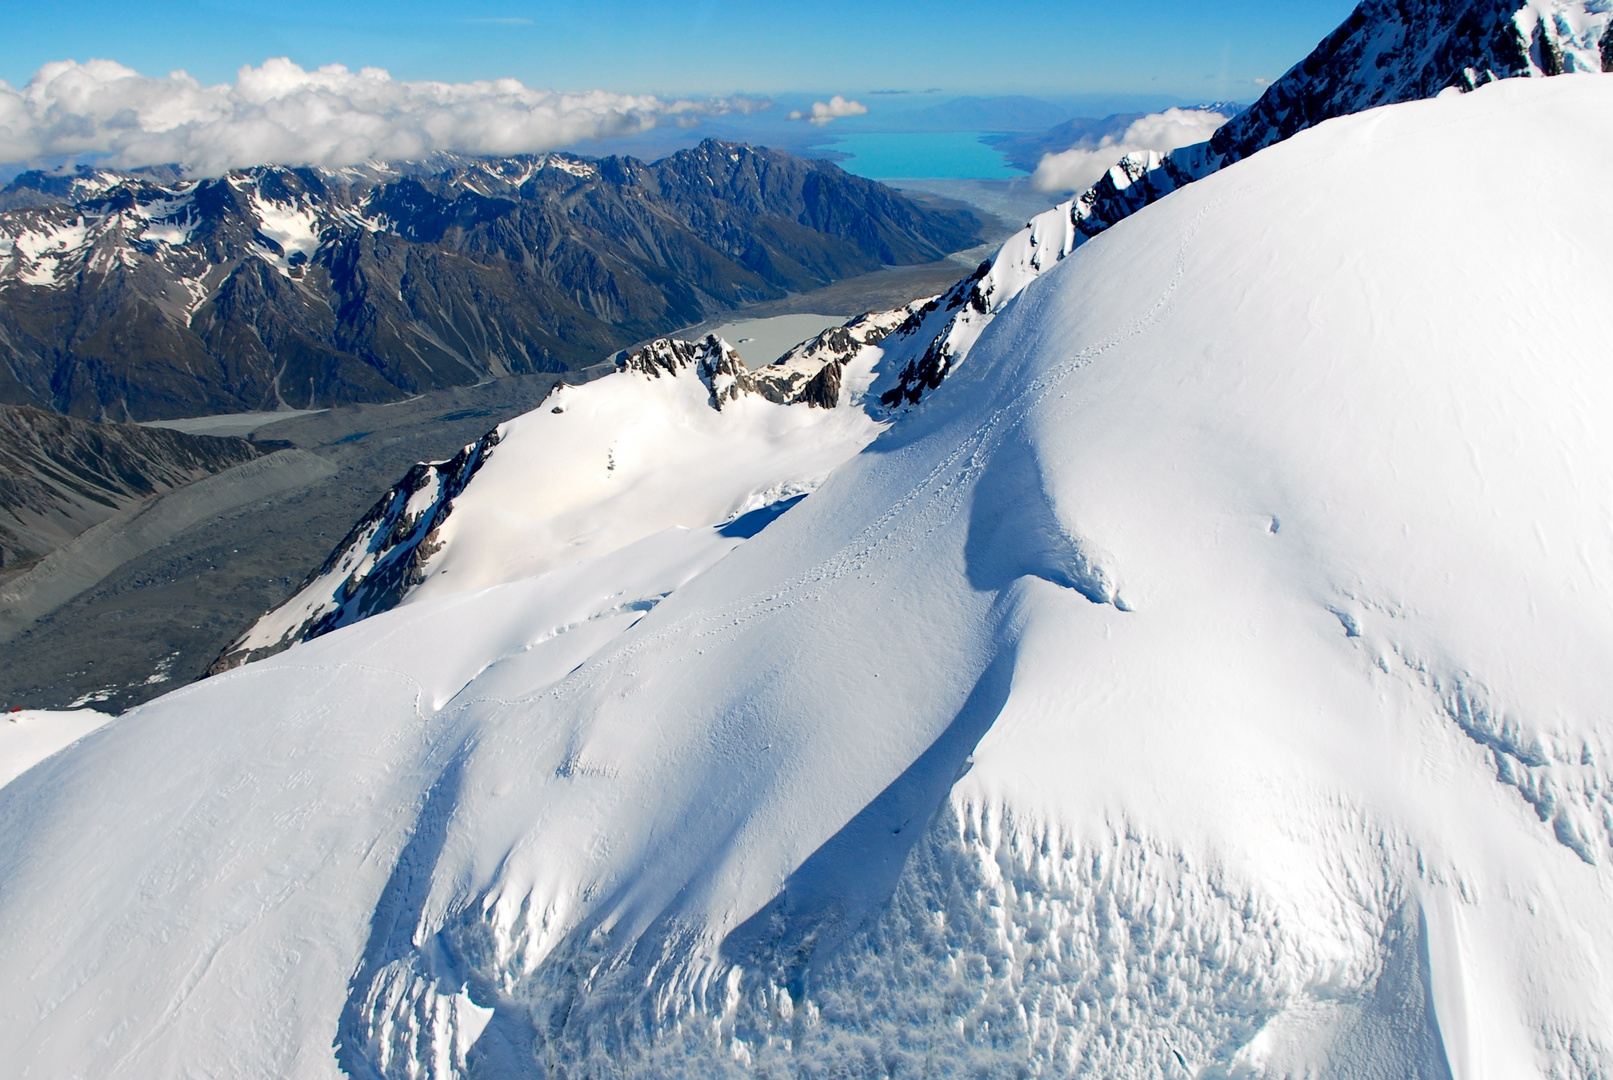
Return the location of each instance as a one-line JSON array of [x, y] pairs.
[[1208, 680], [29, 736], [1339, 902]]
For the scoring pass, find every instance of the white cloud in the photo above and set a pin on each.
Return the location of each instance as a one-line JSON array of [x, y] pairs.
[[824, 111], [1078, 169], [280, 113]]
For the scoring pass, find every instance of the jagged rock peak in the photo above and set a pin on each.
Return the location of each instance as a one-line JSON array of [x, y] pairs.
[[1386, 51], [811, 373], [713, 360], [380, 559], [1391, 50]]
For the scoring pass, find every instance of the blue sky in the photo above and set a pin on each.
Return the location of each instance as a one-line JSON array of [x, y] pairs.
[[1192, 50]]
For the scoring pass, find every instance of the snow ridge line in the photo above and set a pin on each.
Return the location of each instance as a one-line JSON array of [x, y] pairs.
[[950, 479], [854, 556]]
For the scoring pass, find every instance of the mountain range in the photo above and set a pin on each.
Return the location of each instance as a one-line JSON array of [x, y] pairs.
[[142, 296], [1175, 650]]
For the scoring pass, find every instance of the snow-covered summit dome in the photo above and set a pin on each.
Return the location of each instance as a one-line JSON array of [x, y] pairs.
[[1209, 680]]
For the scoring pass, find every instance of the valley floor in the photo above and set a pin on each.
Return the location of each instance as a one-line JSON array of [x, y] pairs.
[[160, 616]]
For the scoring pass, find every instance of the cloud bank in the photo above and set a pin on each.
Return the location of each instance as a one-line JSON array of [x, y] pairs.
[[1078, 169], [280, 113], [823, 112]]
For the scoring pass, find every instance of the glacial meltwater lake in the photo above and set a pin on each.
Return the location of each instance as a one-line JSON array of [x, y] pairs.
[[910, 155]]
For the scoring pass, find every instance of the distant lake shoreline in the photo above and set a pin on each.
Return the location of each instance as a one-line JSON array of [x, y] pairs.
[[956, 155]]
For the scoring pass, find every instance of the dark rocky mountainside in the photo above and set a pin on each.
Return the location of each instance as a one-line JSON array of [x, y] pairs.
[[1402, 50], [59, 475], [143, 296], [153, 615]]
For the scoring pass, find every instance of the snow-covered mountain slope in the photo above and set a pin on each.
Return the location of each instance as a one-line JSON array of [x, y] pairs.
[[680, 435], [1387, 51], [29, 736], [1207, 681]]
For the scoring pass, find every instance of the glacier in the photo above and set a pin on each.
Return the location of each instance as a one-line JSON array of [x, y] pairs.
[[1205, 679]]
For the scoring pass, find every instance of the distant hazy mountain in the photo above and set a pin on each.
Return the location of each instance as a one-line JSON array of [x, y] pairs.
[[145, 296], [1025, 150]]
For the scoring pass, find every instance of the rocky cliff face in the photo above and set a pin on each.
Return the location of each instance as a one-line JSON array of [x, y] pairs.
[[59, 476], [1402, 50], [376, 563], [145, 296]]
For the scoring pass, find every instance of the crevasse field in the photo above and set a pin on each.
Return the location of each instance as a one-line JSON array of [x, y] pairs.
[[1209, 679]]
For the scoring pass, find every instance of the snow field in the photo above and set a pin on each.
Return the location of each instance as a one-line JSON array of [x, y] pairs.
[[29, 736], [1275, 475], [626, 456], [1205, 680]]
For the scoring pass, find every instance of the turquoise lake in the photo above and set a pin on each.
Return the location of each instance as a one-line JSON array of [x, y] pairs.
[[908, 155]]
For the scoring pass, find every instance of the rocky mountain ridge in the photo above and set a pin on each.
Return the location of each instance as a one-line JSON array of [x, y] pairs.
[[146, 296], [1386, 51], [912, 350]]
